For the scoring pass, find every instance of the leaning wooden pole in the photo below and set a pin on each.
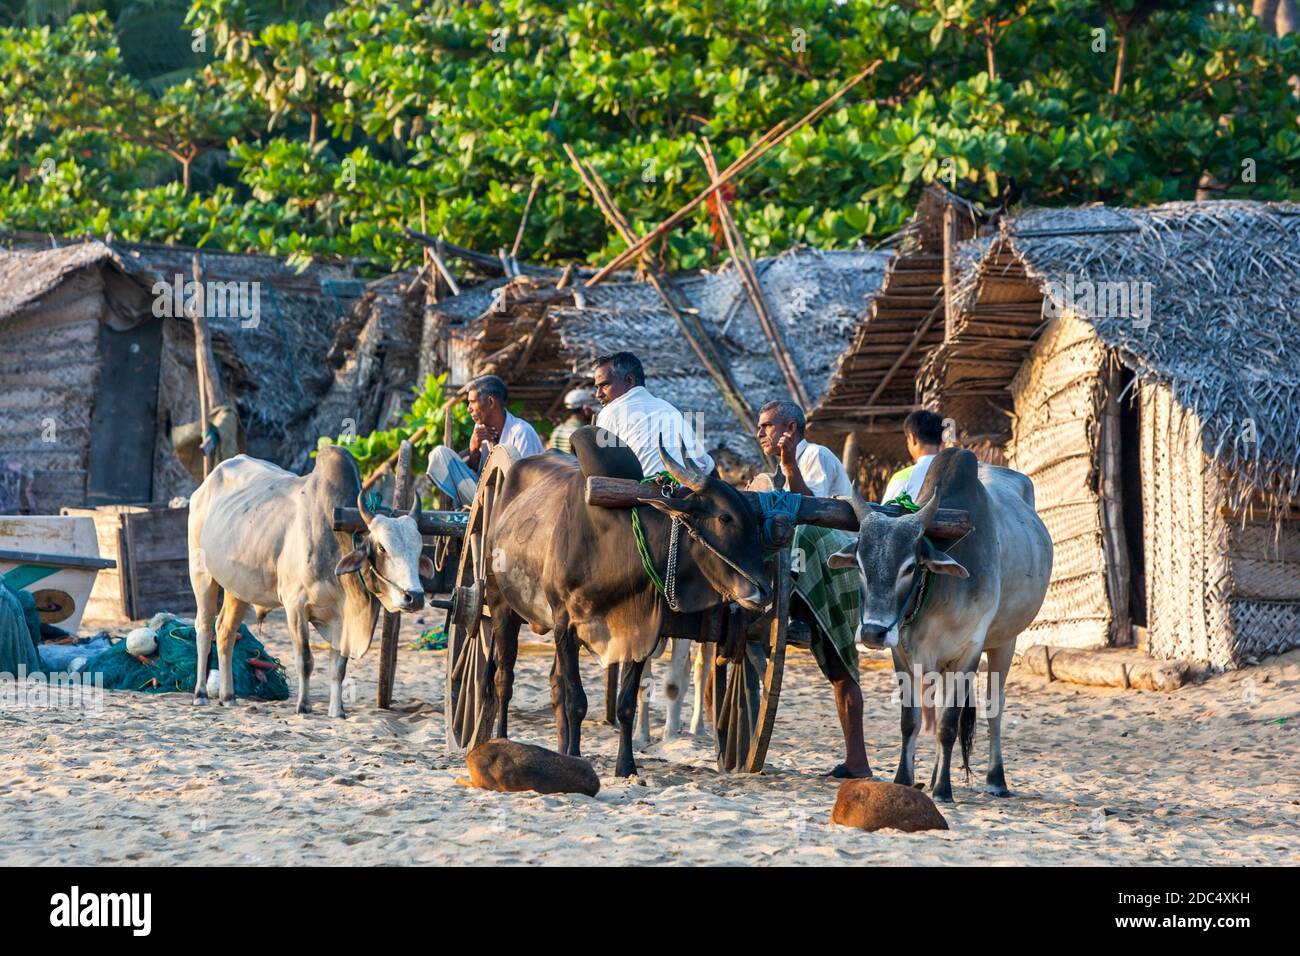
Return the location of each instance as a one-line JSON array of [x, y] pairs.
[[744, 263], [205, 371], [392, 622], [752, 156], [697, 336]]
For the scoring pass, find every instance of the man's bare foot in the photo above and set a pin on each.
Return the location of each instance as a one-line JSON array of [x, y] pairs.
[[845, 772]]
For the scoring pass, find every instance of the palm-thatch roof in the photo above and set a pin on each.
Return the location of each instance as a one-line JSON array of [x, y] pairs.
[[271, 367], [1223, 279], [543, 340]]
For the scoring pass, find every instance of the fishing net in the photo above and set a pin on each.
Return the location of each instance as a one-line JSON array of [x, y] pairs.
[[172, 667]]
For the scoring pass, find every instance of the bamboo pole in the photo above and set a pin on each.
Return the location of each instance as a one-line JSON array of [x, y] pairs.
[[697, 336], [206, 375], [745, 267], [752, 156], [391, 621], [523, 222]]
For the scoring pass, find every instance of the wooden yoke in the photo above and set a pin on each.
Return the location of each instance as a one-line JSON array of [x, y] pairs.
[[949, 524]]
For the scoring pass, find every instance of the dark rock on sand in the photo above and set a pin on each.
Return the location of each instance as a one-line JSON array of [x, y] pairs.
[[875, 805], [508, 766]]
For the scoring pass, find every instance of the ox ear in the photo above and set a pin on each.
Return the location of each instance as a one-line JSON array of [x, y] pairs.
[[939, 562], [426, 566], [351, 561], [845, 557], [671, 506]]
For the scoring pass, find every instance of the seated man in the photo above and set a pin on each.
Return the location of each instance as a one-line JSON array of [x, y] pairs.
[[924, 434], [457, 475], [827, 600], [580, 403], [639, 419]]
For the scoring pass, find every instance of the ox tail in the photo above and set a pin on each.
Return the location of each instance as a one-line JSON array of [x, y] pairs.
[[967, 714]]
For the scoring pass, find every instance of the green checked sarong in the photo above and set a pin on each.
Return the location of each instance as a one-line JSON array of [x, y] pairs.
[[831, 594]]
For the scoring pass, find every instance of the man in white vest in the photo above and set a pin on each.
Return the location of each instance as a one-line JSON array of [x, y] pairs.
[[456, 475], [638, 419]]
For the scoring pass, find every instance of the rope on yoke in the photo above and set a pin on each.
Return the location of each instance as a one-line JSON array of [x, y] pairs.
[[923, 579]]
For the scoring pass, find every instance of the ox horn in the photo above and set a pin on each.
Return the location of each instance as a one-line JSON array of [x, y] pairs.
[[415, 508], [366, 514], [928, 510], [858, 503], [685, 474]]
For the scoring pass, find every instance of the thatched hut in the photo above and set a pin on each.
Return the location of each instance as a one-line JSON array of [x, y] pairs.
[[1140, 366], [93, 377], [542, 340]]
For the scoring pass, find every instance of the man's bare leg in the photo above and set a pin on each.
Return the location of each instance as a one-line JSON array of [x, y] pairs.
[[848, 705]]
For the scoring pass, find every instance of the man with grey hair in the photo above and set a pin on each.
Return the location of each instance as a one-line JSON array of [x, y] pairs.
[[809, 469], [456, 475], [824, 607]]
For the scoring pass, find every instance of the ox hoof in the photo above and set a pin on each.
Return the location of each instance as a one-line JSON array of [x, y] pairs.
[[338, 713], [997, 790], [304, 707], [641, 743], [200, 700], [227, 702], [943, 796]]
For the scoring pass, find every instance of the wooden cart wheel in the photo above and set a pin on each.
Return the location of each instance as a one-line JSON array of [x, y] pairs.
[[470, 701], [747, 690]]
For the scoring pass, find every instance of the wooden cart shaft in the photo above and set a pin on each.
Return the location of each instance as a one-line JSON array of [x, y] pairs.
[[948, 524], [449, 524]]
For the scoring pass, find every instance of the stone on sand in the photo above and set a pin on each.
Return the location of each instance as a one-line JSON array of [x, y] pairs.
[[508, 766], [875, 805]]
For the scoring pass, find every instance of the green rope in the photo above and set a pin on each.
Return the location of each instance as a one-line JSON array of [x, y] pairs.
[[638, 532], [642, 549]]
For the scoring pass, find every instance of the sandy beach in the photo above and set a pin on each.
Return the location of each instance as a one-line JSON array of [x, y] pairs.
[[1207, 775]]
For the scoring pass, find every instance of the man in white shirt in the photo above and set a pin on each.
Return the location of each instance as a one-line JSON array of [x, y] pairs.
[[809, 469], [924, 434], [457, 475], [638, 419]]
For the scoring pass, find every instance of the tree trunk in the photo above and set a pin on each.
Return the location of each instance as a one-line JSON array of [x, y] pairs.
[[1265, 11], [989, 51], [1121, 59], [185, 174], [1288, 18]]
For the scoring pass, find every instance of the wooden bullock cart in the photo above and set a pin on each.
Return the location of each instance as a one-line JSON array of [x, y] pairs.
[[747, 673]]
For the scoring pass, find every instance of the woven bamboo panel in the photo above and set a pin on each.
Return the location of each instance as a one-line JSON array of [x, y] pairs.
[[1071, 519], [1055, 397], [1263, 628], [1077, 631], [1187, 542], [1265, 560]]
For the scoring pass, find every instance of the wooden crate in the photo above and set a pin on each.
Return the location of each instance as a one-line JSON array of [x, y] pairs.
[[149, 544]]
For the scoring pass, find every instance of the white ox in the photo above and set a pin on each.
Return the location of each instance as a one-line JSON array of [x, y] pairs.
[[265, 536], [985, 590]]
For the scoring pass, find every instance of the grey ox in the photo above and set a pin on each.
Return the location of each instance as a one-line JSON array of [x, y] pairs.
[[983, 592], [265, 536]]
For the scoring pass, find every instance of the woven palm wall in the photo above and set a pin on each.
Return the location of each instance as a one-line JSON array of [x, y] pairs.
[[1186, 542], [1056, 400]]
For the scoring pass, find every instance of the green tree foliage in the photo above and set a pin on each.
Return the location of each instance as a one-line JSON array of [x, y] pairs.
[[309, 133]]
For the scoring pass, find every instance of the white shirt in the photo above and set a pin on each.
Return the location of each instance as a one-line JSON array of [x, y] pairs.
[[519, 435], [638, 419], [822, 471], [909, 480]]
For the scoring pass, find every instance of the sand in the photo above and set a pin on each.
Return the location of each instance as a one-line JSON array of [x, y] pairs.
[[1207, 775]]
